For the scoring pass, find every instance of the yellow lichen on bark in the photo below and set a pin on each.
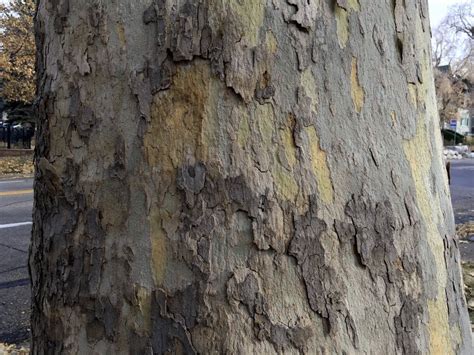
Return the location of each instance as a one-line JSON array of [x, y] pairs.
[[271, 42], [209, 140], [283, 174], [251, 14], [289, 146], [422, 152], [265, 120], [342, 21], [243, 134], [144, 304], [438, 327], [177, 116], [158, 248], [354, 5], [342, 26], [180, 131], [393, 115], [247, 16], [413, 95], [121, 35], [320, 167], [285, 183], [357, 91], [284, 180], [418, 154]]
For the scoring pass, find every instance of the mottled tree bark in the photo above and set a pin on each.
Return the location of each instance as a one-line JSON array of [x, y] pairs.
[[248, 177]]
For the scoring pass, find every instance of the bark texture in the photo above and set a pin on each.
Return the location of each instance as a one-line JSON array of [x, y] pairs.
[[241, 177]]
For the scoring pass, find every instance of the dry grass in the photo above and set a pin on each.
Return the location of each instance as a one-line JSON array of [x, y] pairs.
[[13, 350], [22, 165], [468, 277]]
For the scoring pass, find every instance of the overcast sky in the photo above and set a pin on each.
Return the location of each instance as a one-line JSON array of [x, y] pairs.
[[437, 9]]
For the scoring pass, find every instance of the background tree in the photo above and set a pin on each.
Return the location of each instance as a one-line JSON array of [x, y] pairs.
[[452, 93], [241, 177], [453, 58], [17, 57], [453, 40]]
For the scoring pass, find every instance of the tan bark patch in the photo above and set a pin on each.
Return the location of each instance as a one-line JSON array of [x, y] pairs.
[[158, 249], [121, 34], [177, 118], [320, 167], [412, 90], [308, 82], [357, 91], [289, 146], [285, 183], [342, 21], [393, 115]]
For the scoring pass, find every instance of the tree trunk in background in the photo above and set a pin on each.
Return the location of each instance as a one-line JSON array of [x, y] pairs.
[[241, 177]]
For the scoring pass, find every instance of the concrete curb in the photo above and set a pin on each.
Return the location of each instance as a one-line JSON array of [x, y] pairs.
[[15, 152]]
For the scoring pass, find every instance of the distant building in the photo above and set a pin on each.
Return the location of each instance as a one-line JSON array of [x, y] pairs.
[[466, 123], [445, 69]]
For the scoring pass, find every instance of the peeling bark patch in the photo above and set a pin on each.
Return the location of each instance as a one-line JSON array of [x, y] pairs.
[[169, 335], [77, 255], [247, 292], [256, 222], [357, 91], [455, 304], [304, 14], [81, 115], [377, 231], [407, 324], [245, 288], [325, 288]]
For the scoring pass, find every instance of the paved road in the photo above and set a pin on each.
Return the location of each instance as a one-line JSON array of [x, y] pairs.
[[16, 203], [462, 196], [462, 189]]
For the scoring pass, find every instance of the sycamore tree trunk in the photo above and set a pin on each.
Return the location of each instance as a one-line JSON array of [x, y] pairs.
[[241, 177]]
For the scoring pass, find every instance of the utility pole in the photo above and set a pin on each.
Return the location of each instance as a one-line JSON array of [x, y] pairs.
[[9, 136]]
